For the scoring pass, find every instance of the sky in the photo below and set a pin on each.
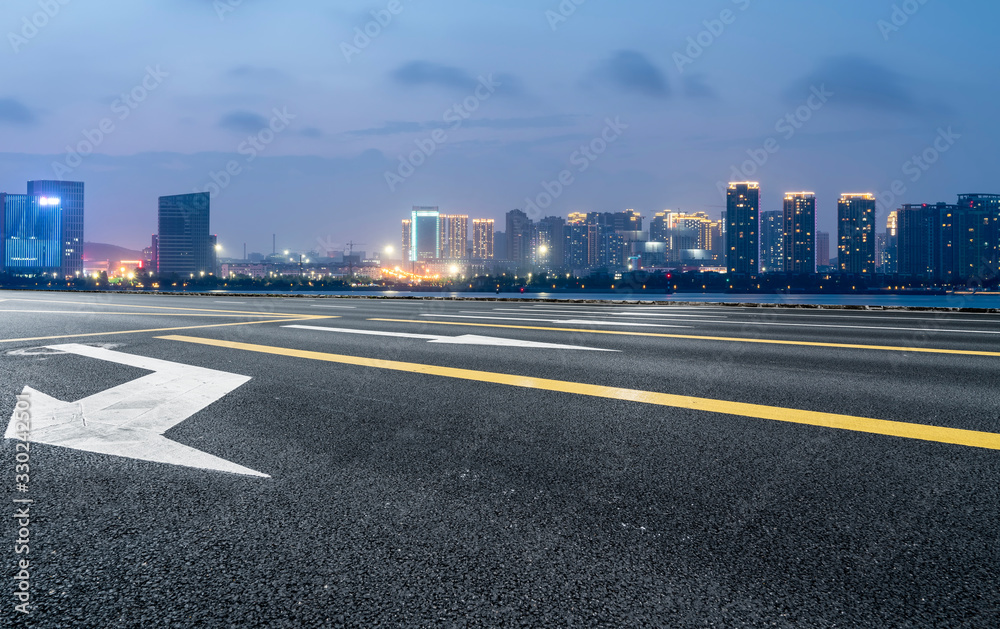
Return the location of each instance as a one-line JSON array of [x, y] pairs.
[[326, 122]]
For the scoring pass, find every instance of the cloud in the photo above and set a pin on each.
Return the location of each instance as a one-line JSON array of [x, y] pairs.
[[428, 74], [312, 133], [14, 112], [696, 88], [857, 81], [420, 73], [257, 74], [631, 71], [243, 122], [536, 122]]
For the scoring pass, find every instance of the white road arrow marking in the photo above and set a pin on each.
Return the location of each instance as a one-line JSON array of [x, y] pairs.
[[465, 339], [129, 420]]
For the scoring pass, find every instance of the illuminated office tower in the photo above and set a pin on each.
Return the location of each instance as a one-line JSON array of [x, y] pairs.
[[407, 239], [856, 234], [70, 196], [800, 232], [576, 247], [31, 235], [743, 228], [482, 239], [425, 234], [889, 254], [183, 240], [772, 242], [458, 236], [443, 244]]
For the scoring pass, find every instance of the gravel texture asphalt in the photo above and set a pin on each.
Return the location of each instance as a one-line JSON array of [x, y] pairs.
[[402, 499]]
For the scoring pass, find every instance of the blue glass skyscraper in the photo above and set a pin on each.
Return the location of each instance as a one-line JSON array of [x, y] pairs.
[[70, 195], [31, 234]]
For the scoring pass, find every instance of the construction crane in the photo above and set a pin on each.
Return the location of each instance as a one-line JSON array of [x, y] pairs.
[[350, 255]]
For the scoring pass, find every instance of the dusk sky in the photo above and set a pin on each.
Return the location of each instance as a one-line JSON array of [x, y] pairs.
[[894, 86]]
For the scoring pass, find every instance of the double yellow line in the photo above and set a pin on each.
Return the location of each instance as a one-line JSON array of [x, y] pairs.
[[811, 418]]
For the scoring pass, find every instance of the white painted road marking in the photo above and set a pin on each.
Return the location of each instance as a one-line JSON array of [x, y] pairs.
[[129, 420], [573, 321], [325, 306], [465, 339], [746, 323], [599, 312]]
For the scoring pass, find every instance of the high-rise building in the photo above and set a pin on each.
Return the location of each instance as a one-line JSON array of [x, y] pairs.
[[31, 235], [718, 233], [150, 253], [425, 234], [772, 242], [822, 250], [184, 242], [519, 233], [577, 244], [925, 247], [595, 246], [499, 243], [659, 227], [550, 242], [71, 197], [889, 254], [482, 239], [977, 236], [856, 234], [800, 232], [743, 228], [627, 221], [458, 236], [407, 248]]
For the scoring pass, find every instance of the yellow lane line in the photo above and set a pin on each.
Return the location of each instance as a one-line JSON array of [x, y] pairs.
[[91, 303], [191, 327], [728, 339], [811, 418], [141, 314]]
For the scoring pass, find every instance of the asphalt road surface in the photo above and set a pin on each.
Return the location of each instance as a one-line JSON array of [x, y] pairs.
[[276, 462]]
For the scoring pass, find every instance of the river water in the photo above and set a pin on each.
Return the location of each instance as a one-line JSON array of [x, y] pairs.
[[916, 301]]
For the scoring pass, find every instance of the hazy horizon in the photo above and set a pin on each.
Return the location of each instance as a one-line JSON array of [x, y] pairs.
[[877, 87]]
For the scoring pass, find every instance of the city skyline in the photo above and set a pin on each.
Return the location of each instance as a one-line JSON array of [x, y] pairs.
[[653, 116]]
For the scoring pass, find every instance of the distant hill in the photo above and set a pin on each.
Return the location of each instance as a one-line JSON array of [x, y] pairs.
[[114, 253]]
